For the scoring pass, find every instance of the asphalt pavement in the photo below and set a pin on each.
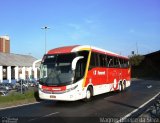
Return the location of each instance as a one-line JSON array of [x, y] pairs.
[[109, 107]]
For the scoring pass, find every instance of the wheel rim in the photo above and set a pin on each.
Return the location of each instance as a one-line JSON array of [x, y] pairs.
[[121, 87], [88, 94], [124, 85]]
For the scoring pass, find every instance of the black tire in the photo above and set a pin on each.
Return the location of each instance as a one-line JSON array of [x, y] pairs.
[[36, 95], [124, 85], [121, 87], [89, 94]]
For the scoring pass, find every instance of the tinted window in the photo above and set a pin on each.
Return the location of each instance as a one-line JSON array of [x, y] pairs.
[[94, 62], [81, 65], [116, 62], [57, 70], [98, 60], [126, 63], [102, 59], [121, 62], [110, 61]]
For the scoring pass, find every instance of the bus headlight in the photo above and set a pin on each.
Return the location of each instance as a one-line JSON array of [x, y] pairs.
[[41, 89], [70, 89]]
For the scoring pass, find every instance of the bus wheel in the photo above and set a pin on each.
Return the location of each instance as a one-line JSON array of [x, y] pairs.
[[88, 94], [121, 87], [124, 85]]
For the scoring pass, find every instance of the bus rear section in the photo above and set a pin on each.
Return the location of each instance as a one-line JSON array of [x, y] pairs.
[[107, 72]]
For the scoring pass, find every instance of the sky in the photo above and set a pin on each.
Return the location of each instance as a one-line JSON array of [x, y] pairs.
[[120, 26]]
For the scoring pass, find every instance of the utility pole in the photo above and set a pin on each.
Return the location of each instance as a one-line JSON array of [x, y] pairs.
[[45, 30], [137, 47]]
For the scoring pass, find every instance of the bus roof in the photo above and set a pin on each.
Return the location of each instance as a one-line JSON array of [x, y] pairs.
[[76, 48]]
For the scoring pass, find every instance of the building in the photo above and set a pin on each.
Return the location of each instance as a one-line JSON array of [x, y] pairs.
[[149, 67], [15, 66], [4, 44]]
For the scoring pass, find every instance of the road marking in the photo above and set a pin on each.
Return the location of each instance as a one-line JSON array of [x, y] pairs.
[[128, 115], [51, 114], [150, 86], [18, 105], [43, 116]]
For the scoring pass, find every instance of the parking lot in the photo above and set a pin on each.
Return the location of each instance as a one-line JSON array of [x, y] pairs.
[[20, 86]]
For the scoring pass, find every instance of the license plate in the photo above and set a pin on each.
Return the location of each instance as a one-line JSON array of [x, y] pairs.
[[52, 96]]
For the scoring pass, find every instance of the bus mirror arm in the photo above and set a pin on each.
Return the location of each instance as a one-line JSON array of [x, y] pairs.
[[75, 60]]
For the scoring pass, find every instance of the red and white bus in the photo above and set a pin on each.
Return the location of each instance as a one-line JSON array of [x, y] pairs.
[[79, 72]]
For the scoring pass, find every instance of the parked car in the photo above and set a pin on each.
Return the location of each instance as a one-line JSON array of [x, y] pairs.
[[3, 92], [21, 84], [5, 86], [18, 88], [9, 86], [32, 82]]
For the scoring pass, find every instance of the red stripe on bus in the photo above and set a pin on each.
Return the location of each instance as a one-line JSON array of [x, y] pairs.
[[54, 88]]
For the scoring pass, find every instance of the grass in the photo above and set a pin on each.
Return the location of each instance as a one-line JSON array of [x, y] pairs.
[[16, 98]]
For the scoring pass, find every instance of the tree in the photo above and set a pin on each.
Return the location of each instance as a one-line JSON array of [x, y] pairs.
[[135, 60]]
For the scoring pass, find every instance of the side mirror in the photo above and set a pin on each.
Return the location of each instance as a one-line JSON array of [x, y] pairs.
[[75, 60]]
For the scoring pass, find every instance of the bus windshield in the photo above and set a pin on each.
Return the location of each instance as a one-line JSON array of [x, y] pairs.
[[56, 69]]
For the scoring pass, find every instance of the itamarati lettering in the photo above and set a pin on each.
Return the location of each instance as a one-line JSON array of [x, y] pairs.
[[101, 72]]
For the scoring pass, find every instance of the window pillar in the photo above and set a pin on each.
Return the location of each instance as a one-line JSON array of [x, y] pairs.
[[30, 72], [16, 73], [23, 73], [1, 74], [35, 73], [9, 73]]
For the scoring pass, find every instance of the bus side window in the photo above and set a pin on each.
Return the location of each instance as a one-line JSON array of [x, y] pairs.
[[80, 69], [106, 61], [97, 60], [116, 62], [121, 62], [81, 65], [110, 61], [92, 61], [102, 59], [126, 64]]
